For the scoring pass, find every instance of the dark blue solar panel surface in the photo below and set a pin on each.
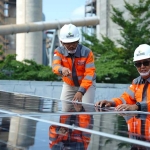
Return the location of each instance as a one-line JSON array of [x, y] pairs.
[[37, 123]]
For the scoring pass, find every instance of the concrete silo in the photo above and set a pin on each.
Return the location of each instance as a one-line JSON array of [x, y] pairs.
[[29, 45], [107, 27]]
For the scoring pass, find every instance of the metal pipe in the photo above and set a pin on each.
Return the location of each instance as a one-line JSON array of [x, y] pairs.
[[41, 26]]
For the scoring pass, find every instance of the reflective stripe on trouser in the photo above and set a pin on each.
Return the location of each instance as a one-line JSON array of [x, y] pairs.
[[68, 93]]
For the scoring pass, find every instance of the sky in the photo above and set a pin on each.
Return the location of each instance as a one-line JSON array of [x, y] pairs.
[[63, 9]]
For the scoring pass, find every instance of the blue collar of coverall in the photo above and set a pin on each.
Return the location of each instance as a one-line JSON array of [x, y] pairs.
[[148, 79], [143, 80]]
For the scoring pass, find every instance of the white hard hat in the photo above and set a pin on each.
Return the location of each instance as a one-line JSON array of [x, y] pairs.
[[69, 33], [142, 52]]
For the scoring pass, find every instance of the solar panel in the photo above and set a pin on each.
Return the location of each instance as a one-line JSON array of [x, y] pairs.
[[35, 123]]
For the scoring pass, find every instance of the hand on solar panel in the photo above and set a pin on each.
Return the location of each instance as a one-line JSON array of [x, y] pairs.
[[78, 107], [126, 107], [103, 103], [78, 97], [98, 109]]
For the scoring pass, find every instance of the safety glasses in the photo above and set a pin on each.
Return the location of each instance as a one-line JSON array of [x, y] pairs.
[[139, 64], [71, 43]]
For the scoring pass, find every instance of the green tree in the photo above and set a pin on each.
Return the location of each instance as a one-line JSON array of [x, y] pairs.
[[12, 69], [116, 62], [109, 60]]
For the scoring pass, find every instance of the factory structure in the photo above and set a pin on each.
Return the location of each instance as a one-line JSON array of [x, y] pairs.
[[39, 45]]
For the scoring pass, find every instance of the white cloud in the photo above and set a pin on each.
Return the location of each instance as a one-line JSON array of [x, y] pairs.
[[78, 12]]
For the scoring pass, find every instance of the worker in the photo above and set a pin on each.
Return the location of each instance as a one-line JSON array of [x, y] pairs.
[[137, 97], [61, 137], [75, 63]]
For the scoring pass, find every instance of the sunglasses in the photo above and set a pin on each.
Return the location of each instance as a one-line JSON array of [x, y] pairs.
[[139, 64]]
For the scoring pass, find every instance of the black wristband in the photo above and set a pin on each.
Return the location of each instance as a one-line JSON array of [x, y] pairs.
[[139, 106]]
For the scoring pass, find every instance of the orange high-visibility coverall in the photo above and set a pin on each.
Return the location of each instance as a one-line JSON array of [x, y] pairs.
[[83, 63], [138, 91]]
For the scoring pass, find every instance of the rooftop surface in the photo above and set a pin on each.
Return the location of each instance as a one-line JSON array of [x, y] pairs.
[[38, 123]]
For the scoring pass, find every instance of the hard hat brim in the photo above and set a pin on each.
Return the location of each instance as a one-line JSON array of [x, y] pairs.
[[70, 40], [141, 58]]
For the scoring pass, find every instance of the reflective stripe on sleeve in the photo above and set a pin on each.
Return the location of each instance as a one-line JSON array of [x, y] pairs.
[[123, 100], [56, 65], [88, 77], [130, 93], [56, 58], [90, 65], [80, 77]]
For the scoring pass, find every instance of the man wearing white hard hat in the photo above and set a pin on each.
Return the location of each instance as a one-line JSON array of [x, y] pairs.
[[75, 63], [137, 97]]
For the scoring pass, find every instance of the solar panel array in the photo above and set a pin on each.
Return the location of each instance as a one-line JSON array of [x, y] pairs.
[[27, 123]]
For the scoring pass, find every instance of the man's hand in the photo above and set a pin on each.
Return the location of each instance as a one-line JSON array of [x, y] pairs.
[[97, 109], [125, 107], [104, 103], [66, 71], [78, 97], [78, 107]]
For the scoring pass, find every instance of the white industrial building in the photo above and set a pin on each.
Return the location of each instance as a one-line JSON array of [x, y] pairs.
[[31, 45]]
